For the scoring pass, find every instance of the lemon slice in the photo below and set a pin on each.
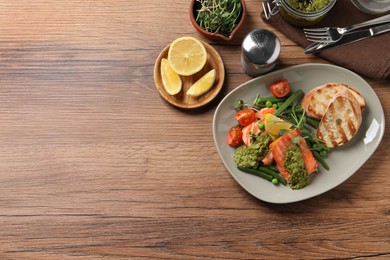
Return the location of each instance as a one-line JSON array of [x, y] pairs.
[[171, 80], [273, 124], [187, 55], [202, 85]]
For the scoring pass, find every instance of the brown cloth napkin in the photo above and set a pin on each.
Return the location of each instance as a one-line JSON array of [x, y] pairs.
[[369, 57]]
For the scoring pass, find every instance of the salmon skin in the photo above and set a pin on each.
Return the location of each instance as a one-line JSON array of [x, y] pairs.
[[279, 149]]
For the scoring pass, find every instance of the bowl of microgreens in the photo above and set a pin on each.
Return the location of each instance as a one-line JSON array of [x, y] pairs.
[[217, 19]]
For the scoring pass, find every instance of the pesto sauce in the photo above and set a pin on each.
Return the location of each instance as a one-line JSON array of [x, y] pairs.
[[295, 165], [249, 157], [308, 6]]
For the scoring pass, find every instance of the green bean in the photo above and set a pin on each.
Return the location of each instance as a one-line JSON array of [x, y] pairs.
[[312, 122], [320, 160], [297, 94], [298, 109], [261, 101], [272, 99], [323, 153], [273, 167], [273, 174], [256, 172]]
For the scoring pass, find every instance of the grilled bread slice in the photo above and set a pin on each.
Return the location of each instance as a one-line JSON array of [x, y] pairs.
[[341, 120], [316, 101]]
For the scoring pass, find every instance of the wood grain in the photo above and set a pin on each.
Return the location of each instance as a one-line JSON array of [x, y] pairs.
[[95, 164]]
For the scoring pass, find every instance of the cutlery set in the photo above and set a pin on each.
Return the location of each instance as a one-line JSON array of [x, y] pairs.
[[329, 37]]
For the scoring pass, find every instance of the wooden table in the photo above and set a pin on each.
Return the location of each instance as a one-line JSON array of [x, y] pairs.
[[95, 164]]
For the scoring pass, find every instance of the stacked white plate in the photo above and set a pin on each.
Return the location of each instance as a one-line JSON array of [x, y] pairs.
[[372, 6]]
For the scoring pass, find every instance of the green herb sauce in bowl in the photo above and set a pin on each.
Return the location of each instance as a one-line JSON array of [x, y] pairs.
[[308, 5]]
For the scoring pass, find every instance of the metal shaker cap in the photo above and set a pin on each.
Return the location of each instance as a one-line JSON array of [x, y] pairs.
[[261, 47]]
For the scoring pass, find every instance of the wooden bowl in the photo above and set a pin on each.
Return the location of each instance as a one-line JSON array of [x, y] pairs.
[[216, 36], [182, 100]]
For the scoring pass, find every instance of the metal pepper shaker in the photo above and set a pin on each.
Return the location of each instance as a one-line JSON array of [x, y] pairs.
[[260, 52]]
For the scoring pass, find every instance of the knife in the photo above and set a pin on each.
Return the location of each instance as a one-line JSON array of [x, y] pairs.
[[348, 38]]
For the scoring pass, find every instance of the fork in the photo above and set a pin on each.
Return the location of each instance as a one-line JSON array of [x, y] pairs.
[[333, 34]]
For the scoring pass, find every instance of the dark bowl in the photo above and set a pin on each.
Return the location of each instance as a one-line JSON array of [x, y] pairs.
[[215, 36]]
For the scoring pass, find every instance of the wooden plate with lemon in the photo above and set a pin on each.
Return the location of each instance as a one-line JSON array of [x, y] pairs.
[[189, 73]]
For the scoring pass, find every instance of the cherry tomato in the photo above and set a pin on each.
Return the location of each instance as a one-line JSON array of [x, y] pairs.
[[234, 137], [280, 88], [245, 117]]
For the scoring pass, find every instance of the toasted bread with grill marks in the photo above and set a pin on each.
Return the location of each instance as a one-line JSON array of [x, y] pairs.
[[341, 120], [316, 101]]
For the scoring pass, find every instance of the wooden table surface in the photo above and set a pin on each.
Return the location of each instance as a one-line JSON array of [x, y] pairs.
[[95, 164]]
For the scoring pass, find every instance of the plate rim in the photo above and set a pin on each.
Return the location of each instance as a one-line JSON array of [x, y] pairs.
[[372, 7], [379, 135]]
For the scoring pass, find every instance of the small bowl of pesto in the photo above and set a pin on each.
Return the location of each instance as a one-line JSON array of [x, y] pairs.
[[301, 13], [217, 19]]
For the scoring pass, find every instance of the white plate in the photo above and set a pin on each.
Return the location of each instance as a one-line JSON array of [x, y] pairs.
[[343, 161], [372, 6]]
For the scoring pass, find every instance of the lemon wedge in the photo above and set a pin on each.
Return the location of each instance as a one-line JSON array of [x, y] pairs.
[[187, 55], [273, 124], [171, 80], [202, 85]]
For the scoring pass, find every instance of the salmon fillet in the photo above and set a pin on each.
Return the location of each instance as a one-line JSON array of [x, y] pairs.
[[268, 158], [279, 150], [253, 129]]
